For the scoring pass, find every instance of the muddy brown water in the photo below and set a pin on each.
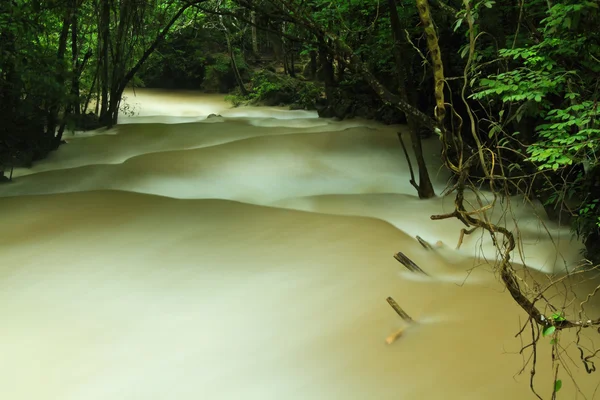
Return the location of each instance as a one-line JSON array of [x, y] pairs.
[[249, 256]]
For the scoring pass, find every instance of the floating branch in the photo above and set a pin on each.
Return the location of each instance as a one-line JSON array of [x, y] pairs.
[[408, 263], [399, 310], [423, 243], [394, 336]]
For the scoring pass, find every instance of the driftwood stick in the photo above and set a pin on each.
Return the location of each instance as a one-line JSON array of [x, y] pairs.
[[423, 243], [399, 310], [394, 336], [408, 263]]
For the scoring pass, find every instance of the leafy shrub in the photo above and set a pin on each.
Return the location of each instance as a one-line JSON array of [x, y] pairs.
[[554, 83], [273, 89], [219, 75]]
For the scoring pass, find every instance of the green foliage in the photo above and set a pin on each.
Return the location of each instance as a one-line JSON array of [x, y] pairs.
[[570, 135], [179, 62], [273, 89], [549, 330], [219, 75], [553, 81], [558, 317]]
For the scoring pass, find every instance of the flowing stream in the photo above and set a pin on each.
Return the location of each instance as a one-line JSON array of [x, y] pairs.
[[248, 256]]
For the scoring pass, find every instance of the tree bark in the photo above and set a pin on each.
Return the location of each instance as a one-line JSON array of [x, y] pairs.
[[436, 60]]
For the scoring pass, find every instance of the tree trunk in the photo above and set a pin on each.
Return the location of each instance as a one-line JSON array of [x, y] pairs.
[[77, 68], [358, 66], [254, 36], [341, 69], [54, 105], [436, 60], [276, 44], [104, 82], [234, 67], [313, 64], [327, 69], [292, 69], [425, 187], [111, 113]]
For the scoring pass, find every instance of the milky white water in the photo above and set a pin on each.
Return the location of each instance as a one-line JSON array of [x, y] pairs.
[[249, 256]]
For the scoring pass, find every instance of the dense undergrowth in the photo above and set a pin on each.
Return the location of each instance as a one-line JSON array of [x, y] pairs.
[[269, 88]]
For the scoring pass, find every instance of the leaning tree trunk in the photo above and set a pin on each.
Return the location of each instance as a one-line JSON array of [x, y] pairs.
[[109, 118], [55, 105], [356, 64], [234, 66], [424, 187]]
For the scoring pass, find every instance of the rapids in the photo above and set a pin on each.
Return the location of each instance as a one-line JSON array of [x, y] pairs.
[[248, 256]]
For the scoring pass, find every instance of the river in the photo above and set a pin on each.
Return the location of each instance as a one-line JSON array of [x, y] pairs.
[[249, 256]]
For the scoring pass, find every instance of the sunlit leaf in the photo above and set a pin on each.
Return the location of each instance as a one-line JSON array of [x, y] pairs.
[[549, 330], [557, 385]]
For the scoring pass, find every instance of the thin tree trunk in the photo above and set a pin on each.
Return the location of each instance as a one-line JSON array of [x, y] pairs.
[[313, 64], [292, 66], [54, 106], [254, 36], [327, 68], [425, 187], [104, 30], [75, 105], [358, 66], [341, 69], [110, 117], [234, 67], [89, 96]]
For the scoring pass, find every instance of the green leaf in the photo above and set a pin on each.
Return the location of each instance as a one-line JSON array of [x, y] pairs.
[[558, 317], [458, 24], [549, 330], [494, 130], [557, 385], [553, 341]]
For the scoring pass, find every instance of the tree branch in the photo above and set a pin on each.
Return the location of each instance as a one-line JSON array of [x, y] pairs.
[[261, 27], [159, 38], [342, 49]]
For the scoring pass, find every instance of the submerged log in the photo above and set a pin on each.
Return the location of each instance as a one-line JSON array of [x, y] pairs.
[[394, 336], [423, 243], [408, 263], [399, 310]]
